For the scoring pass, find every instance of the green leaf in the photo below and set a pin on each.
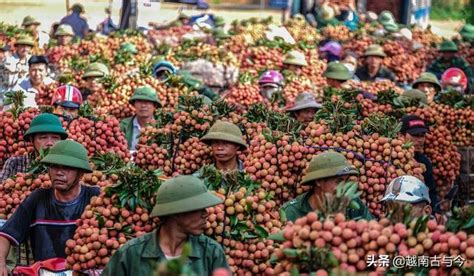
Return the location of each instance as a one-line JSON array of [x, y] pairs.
[[261, 232], [469, 224]]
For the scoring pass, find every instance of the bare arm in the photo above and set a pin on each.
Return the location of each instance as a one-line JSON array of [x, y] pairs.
[[4, 249]]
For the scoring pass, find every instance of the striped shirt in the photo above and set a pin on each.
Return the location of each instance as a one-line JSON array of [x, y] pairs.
[[47, 222], [14, 165]]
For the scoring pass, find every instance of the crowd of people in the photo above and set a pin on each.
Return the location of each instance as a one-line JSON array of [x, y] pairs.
[[47, 217]]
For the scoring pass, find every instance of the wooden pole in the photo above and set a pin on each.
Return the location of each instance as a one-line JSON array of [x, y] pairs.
[[67, 6]]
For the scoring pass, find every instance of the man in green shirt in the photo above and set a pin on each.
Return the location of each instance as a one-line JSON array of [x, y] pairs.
[[181, 206], [146, 102], [325, 172]]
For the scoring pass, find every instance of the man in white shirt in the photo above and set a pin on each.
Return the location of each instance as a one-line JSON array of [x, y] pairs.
[[37, 77], [15, 67]]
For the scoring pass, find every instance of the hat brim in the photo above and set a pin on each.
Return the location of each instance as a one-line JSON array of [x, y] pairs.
[[63, 34], [416, 131], [93, 74], [295, 62], [221, 136], [40, 129], [321, 174], [403, 198], [24, 42], [438, 86], [313, 105], [68, 161], [337, 76], [133, 99], [375, 54], [199, 202], [69, 104]]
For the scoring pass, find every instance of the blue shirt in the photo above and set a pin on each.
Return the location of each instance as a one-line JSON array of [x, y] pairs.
[[79, 25]]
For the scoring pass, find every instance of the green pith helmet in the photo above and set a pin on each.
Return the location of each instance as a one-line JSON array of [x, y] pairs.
[[327, 164], [220, 33], [145, 93], [448, 46], [337, 71], [97, 70], [25, 40], [181, 194], [68, 153], [386, 17], [224, 131], [45, 123], [429, 78], [30, 20], [129, 48], [219, 21], [374, 50], [295, 57], [391, 27], [467, 32], [64, 30], [413, 94]]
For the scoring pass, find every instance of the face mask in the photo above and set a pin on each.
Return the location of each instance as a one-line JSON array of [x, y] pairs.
[[268, 92]]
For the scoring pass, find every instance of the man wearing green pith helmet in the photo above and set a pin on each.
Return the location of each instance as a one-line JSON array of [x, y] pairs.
[[93, 75], [47, 217], [45, 130], [324, 173], [145, 101], [225, 140], [181, 204]]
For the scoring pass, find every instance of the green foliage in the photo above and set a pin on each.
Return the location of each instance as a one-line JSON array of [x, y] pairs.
[[454, 10], [135, 187], [385, 125]]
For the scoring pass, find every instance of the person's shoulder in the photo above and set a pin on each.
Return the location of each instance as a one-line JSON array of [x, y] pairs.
[[91, 190], [24, 84], [293, 203], [205, 241], [136, 244], [15, 160], [40, 194]]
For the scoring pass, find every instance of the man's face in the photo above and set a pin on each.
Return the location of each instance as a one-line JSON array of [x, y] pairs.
[[329, 185], [33, 28], [3, 55], [427, 88], [224, 151], [416, 210], [267, 91], [94, 84], [144, 109], [193, 223], [64, 178], [295, 69], [45, 140], [66, 111], [334, 83], [23, 50], [447, 56], [418, 141], [37, 73], [374, 63], [64, 40], [305, 115]]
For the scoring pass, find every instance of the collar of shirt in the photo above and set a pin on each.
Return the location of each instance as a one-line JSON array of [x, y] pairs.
[[26, 85], [136, 125], [152, 247]]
